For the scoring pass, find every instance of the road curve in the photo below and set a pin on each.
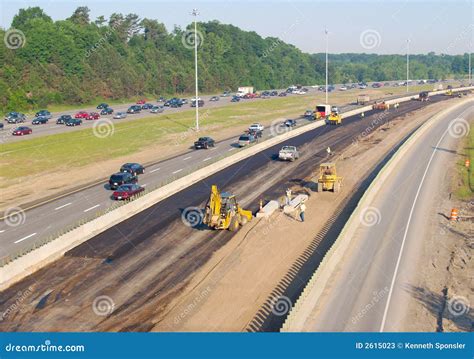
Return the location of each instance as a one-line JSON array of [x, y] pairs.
[[370, 289]]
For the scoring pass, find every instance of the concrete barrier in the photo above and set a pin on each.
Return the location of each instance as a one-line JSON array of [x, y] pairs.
[[50, 252], [268, 209], [325, 273]]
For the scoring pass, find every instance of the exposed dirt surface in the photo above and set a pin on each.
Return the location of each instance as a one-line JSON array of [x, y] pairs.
[[143, 274], [443, 291]]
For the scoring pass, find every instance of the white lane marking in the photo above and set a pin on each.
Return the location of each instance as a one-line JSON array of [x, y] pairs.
[[177, 171], [384, 318], [156, 169], [231, 149], [29, 236], [187, 158], [2, 231], [64, 205], [91, 208], [206, 159]]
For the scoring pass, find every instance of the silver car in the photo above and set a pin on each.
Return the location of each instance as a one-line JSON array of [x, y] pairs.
[[157, 109], [120, 115]]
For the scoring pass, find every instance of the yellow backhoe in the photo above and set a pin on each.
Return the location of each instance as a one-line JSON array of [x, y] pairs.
[[223, 211], [334, 118]]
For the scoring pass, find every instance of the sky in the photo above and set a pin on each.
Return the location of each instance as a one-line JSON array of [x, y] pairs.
[[370, 26]]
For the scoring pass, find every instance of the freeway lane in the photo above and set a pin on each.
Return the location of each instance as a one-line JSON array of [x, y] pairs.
[[370, 291], [143, 262], [45, 220]]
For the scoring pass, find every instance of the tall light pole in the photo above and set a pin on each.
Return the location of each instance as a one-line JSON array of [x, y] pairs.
[[195, 13], [408, 61], [327, 49]]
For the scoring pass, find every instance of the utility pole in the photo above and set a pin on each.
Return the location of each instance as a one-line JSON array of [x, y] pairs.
[[408, 61], [327, 49], [195, 13]]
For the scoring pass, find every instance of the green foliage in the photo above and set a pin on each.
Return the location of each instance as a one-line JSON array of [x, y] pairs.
[[76, 60]]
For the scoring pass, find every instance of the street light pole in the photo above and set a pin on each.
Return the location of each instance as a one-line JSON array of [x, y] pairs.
[[408, 61], [195, 14], [327, 47]]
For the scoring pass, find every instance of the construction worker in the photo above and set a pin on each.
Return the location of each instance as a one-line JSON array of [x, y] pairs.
[[288, 196], [362, 115], [302, 210], [328, 150]]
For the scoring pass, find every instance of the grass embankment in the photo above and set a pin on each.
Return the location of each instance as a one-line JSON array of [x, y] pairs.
[[465, 190], [63, 151]]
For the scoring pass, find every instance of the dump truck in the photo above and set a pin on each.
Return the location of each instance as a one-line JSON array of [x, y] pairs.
[[334, 118], [381, 106], [224, 212], [328, 180], [424, 96], [363, 99]]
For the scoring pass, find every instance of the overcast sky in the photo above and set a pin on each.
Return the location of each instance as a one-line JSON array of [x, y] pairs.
[[354, 26]]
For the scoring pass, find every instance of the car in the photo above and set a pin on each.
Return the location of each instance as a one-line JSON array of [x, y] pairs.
[[274, 93], [225, 94], [102, 106], [386, 84], [107, 111], [133, 168], [1, 126], [362, 87], [93, 116], [256, 126], [199, 102], [204, 142], [15, 117], [81, 114], [289, 123], [39, 120], [174, 102], [141, 102], [249, 96], [255, 133], [288, 153], [120, 115], [120, 178], [73, 122], [23, 130], [134, 109], [235, 99], [184, 101], [147, 106], [214, 98], [246, 139], [282, 94], [127, 191], [44, 113], [62, 119], [309, 114], [377, 85], [343, 88], [161, 99], [157, 109]]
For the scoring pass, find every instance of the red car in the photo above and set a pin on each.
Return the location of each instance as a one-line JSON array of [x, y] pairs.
[[126, 191], [93, 116], [250, 95], [81, 114], [141, 102], [23, 130]]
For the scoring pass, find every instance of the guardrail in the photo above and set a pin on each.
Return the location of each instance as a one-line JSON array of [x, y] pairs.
[[312, 292], [43, 252]]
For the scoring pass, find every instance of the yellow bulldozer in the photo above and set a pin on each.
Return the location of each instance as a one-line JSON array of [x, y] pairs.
[[224, 212], [328, 180], [334, 118]]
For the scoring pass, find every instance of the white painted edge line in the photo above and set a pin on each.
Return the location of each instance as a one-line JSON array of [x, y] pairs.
[[207, 159], [177, 171], [22, 239], [91, 208]]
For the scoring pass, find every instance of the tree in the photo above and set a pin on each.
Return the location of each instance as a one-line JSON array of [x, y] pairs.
[[25, 15], [80, 16]]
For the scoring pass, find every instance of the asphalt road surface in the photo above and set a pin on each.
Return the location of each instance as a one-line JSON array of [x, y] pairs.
[[372, 287], [143, 262]]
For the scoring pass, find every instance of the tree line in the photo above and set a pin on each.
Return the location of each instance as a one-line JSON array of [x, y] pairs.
[[78, 60]]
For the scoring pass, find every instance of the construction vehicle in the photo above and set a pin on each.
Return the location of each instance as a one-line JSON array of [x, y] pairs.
[[363, 99], [381, 106], [322, 111], [334, 118], [424, 96], [449, 92], [328, 179], [224, 212]]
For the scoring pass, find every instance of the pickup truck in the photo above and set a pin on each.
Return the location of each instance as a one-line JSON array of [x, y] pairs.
[[204, 142], [288, 153]]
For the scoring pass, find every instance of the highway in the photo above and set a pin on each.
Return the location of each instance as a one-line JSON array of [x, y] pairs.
[[152, 255], [370, 290], [55, 215], [52, 128]]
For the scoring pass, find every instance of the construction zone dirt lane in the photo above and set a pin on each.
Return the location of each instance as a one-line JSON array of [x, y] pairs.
[[129, 277]]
